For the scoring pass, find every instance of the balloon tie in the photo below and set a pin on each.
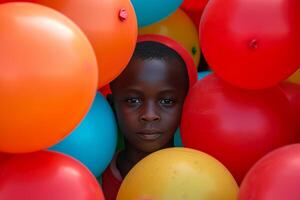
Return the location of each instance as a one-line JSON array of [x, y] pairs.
[[123, 15], [253, 44]]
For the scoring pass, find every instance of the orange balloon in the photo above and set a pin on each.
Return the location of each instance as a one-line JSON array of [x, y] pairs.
[[48, 77], [111, 27], [180, 28]]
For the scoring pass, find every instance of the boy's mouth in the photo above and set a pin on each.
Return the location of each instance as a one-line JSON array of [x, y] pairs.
[[149, 135]]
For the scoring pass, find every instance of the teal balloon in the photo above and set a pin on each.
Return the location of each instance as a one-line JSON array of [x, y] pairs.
[[202, 75], [151, 11], [94, 141], [177, 139]]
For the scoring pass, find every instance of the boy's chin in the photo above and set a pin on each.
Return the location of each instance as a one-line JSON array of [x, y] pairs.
[[150, 148]]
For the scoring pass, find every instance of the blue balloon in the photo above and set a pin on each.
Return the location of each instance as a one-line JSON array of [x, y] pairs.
[[94, 141], [151, 11], [202, 75], [177, 139]]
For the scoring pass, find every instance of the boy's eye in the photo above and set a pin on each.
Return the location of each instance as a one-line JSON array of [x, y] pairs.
[[167, 101], [133, 100]]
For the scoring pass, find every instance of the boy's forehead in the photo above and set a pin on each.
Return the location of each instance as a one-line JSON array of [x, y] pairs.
[[152, 71]]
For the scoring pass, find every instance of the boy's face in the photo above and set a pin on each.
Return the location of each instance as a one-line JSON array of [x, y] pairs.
[[148, 98]]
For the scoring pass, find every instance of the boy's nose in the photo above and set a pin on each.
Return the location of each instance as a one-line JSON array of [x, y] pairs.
[[149, 114]]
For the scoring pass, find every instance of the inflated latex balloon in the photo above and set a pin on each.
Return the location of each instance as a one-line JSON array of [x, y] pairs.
[[94, 141], [177, 139], [252, 44], [236, 126], [178, 173], [151, 11], [48, 77], [274, 177], [292, 92], [194, 8], [177, 135], [180, 28], [9, 1], [48, 176], [295, 78], [111, 27], [202, 75]]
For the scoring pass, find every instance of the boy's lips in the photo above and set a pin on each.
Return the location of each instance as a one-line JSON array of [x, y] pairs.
[[149, 135]]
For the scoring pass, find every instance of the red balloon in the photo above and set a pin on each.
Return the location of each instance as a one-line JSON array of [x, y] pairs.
[[292, 92], [105, 90], [252, 44], [48, 176], [275, 177], [194, 8], [236, 126], [3, 155]]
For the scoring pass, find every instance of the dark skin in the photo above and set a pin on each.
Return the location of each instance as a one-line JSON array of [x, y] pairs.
[[147, 99]]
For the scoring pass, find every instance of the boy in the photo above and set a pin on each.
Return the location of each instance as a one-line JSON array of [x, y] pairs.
[[147, 99]]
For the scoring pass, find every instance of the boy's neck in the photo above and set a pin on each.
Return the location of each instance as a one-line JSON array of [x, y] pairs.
[[129, 157]]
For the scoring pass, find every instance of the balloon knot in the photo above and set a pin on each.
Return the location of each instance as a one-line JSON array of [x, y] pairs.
[[123, 15], [194, 51], [253, 44]]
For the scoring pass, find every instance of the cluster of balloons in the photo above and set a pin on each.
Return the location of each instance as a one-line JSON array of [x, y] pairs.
[[93, 142], [54, 57], [244, 110], [236, 126]]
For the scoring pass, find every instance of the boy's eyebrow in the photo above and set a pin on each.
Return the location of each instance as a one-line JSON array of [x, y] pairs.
[[166, 90], [140, 91], [134, 90]]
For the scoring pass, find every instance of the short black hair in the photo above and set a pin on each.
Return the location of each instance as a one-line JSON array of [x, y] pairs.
[[153, 50]]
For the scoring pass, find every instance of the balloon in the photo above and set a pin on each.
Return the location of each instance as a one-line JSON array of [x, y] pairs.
[[9, 1], [3, 156], [276, 176], [105, 90], [203, 74], [48, 77], [178, 173], [235, 126], [180, 28], [48, 176], [177, 139], [292, 92], [247, 51], [151, 11], [194, 8], [93, 142], [111, 27], [295, 78]]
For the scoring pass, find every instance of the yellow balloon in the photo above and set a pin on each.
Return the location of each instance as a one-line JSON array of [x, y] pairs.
[[295, 78], [180, 28], [178, 173]]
